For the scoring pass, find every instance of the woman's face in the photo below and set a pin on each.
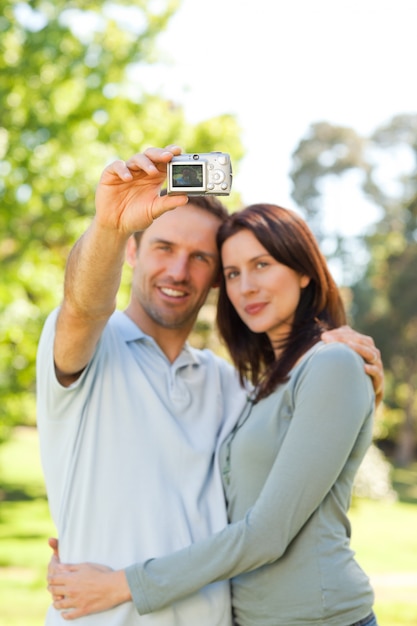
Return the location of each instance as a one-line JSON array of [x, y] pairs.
[[264, 292]]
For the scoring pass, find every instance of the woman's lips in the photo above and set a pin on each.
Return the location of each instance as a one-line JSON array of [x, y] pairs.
[[253, 309]]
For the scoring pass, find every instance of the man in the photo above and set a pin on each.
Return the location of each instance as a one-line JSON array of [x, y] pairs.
[[129, 415]]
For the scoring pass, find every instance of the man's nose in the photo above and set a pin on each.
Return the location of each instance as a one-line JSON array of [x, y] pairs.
[[179, 268]]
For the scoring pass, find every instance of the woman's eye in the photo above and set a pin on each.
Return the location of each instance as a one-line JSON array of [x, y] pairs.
[[230, 275]]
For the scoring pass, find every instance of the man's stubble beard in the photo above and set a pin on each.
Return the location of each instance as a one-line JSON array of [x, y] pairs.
[[176, 321], [165, 318]]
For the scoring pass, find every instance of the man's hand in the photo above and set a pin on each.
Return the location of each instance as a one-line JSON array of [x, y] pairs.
[[127, 200], [54, 544], [365, 347], [86, 588], [127, 196]]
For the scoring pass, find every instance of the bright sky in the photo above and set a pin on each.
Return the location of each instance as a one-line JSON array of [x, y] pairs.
[[280, 66]]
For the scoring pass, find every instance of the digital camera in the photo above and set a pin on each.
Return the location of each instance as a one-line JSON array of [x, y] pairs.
[[200, 174]]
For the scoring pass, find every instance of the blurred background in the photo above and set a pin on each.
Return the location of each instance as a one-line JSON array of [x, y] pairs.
[[316, 104]]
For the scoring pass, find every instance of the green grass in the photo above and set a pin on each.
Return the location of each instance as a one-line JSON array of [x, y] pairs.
[[24, 527], [379, 533], [384, 537], [385, 540]]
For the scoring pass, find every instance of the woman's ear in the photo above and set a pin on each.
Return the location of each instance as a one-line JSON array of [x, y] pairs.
[[304, 281]]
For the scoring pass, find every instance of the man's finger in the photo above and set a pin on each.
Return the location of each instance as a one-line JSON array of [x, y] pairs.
[[54, 544], [348, 335]]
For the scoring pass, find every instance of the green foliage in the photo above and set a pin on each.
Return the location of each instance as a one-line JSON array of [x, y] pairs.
[[72, 101]]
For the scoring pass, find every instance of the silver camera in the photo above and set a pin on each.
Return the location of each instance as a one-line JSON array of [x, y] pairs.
[[200, 174]]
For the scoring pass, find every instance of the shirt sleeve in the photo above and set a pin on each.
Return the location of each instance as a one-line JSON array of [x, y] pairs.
[[333, 398]]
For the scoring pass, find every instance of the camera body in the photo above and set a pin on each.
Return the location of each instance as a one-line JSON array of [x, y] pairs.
[[200, 174]]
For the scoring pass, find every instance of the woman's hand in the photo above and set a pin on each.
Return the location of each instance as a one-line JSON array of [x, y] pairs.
[[86, 588]]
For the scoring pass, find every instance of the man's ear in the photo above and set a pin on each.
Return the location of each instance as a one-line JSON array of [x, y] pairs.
[[131, 251]]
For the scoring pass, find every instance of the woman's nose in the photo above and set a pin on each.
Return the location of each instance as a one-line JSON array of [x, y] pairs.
[[247, 284]]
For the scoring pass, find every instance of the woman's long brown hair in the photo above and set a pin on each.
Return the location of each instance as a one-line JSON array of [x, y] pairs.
[[288, 239]]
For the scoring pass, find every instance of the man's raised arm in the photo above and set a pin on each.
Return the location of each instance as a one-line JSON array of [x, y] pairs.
[[127, 201]]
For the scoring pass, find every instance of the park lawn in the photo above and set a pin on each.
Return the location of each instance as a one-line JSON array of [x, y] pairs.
[[384, 537], [385, 540], [25, 525]]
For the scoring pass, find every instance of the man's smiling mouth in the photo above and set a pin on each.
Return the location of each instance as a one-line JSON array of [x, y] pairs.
[[173, 293]]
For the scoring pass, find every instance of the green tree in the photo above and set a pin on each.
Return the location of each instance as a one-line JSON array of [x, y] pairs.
[[72, 101], [324, 152], [386, 307], [384, 294]]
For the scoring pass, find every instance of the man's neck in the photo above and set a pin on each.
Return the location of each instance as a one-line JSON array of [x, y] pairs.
[[170, 340]]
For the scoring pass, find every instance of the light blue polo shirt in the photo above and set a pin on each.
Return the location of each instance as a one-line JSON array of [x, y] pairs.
[[128, 453]]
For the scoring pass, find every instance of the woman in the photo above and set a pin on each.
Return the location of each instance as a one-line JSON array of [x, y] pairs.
[[289, 464]]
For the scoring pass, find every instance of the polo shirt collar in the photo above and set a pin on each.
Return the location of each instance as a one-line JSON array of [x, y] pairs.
[[131, 332]]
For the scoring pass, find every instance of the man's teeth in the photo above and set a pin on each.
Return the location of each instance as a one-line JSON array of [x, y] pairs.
[[172, 292]]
